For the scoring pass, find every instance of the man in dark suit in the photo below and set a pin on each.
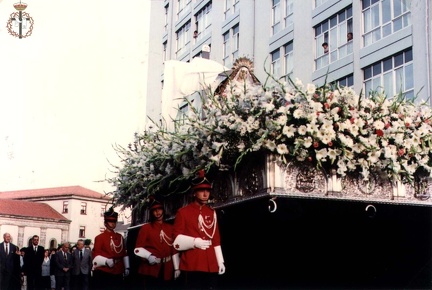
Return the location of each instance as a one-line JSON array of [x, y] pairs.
[[8, 264], [82, 264], [63, 266], [33, 257]]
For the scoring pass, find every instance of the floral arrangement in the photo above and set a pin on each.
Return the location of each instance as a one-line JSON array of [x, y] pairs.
[[330, 127]]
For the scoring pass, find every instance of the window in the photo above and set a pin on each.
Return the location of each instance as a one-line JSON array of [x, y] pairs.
[[276, 13], [289, 59], [166, 18], [164, 51], [183, 39], [103, 209], [282, 15], [182, 7], [275, 64], [82, 232], [236, 6], [83, 207], [391, 75], [347, 81], [203, 20], [231, 7], [231, 44], [331, 42], [289, 18], [282, 67], [65, 206], [236, 42], [182, 111], [384, 17], [226, 49], [319, 2]]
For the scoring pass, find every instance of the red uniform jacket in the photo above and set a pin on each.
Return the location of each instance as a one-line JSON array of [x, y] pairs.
[[186, 223], [112, 250], [150, 239]]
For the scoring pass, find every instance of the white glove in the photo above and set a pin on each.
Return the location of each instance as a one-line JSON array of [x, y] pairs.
[[153, 260], [220, 259], [221, 268], [99, 261], [183, 243], [126, 265], [176, 274], [176, 263], [141, 252], [109, 263], [202, 244]]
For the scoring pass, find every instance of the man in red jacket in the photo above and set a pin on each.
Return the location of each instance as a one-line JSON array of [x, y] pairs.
[[154, 247], [197, 238], [110, 261]]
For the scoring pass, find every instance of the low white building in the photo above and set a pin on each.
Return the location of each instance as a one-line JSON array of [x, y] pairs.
[[80, 214], [24, 219]]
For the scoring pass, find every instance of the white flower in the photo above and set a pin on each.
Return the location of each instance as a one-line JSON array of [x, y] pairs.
[[310, 89], [298, 114], [289, 131], [330, 128], [298, 83], [374, 156], [378, 125], [321, 154], [281, 120], [282, 149], [241, 147], [271, 145], [307, 142], [302, 130], [333, 154]]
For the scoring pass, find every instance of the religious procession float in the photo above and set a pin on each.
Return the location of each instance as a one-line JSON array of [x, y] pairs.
[[315, 186]]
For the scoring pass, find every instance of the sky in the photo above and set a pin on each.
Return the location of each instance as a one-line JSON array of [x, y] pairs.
[[71, 91]]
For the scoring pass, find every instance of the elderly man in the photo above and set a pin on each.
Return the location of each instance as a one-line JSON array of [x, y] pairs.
[[9, 264], [82, 259], [63, 266]]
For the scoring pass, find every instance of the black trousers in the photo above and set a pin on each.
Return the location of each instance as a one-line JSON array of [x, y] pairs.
[[33, 281], [105, 281], [199, 280]]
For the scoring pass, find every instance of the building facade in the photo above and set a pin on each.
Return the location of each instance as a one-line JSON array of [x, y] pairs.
[[24, 219], [368, 44], [82, 209]]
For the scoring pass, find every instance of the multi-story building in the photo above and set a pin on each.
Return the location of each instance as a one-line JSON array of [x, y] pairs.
[[370, 44], [366, 44], [77, 213]]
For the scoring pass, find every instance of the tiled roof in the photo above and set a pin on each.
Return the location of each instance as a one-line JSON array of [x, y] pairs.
[[52, 192], [29, 209]]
